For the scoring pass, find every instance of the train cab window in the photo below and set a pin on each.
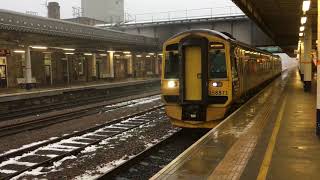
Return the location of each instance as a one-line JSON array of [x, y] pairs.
[[172, 67], [217, 61]]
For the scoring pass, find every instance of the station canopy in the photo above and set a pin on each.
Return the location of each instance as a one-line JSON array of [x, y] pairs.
[[280, 19]]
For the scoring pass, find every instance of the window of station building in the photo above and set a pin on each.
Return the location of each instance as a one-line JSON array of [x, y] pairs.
[[217, 61]]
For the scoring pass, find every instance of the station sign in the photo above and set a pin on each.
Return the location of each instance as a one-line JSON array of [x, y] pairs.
[[5, 52]]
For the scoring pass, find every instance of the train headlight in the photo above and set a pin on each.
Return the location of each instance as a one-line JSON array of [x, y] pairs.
[[217, 84], [172, 84]]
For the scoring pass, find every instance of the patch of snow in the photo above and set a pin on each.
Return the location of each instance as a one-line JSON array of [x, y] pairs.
[[90, 149], [5, 171], [23, 147], [58, 163]]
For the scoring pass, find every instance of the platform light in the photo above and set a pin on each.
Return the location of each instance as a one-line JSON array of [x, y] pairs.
[[160, 54], [103, 55], [69, 53], [148, 56], [111, 51], [303, 20], [69, 49], [300, 34], [19, 51], [39, 47], [306, 6], [138, 56], [302, 28], [117, 55], [126, 52], [128, 55], [87, 54], [151, 54]]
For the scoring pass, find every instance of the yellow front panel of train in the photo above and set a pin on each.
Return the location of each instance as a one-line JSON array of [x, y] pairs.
[[193, 90]]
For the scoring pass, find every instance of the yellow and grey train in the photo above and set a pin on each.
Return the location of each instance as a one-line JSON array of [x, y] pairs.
[[205, 72]]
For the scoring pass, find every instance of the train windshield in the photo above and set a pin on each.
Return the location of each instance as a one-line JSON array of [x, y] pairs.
[[172, 67], [217, 61]]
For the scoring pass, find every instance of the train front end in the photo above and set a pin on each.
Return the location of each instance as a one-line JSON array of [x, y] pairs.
[[196, 86]]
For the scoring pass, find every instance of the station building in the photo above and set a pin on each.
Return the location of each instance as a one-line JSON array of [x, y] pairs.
[[37, 51]]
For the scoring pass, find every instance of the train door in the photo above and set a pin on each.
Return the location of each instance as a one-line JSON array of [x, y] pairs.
[[3, 73], [194, 74], [193, 91]]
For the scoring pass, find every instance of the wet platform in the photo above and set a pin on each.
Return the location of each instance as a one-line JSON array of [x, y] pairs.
[[11, 94], [271, 137]]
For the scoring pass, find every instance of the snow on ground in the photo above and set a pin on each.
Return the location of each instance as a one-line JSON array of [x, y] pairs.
[[23, 147]]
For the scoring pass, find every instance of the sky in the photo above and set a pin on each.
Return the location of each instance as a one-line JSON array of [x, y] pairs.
[[131, 6]]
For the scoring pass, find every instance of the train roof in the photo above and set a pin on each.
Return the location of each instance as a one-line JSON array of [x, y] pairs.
[[208, 31], [222, 36]]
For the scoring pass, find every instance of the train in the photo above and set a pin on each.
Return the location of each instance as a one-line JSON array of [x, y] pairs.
[[206, 72]]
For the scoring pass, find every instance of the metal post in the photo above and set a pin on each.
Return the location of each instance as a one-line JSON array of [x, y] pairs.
[[94, 66], [318, 75], [308, 58], [28, 68], [186, 13], [68, 71]]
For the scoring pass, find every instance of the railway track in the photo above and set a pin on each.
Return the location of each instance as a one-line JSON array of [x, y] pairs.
[[6, 115], [15, 163], [47, 121], [153, 159]]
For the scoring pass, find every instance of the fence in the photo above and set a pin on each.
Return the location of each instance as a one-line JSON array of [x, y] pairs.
[[184, 14]]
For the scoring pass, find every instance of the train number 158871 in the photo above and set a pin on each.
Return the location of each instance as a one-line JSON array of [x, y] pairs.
[[219, 93]]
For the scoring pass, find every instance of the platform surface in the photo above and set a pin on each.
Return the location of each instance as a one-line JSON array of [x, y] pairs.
[[271, 137], [10, 94]]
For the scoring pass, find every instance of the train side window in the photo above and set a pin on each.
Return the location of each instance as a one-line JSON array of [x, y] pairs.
[[217, 61], [172, 67]]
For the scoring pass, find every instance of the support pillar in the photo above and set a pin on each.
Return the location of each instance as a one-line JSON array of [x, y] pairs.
[[318, 75], [68, 71], [307, 58], [28, 75], [94, 67], [301, 67], [156, 64], [130, 65], [111, 58]]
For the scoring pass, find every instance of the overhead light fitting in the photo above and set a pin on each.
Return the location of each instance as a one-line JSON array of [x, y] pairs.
[[68, 49], [69, 53], [19, 51], [303, 20], [126, 52], [300, 34], [88, 54], [39, 47], [103, 55], [306, 6], [302, 28]]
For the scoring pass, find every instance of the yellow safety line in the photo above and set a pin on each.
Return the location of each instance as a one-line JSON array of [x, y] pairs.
[[272, 142]]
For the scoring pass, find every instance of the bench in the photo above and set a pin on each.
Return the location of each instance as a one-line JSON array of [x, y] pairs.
[[22, 82]]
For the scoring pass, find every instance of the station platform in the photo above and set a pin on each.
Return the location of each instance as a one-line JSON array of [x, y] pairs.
[[271, 137], [12, 94]]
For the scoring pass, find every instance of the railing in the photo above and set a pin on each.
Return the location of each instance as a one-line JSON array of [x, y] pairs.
[[184, 14]]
